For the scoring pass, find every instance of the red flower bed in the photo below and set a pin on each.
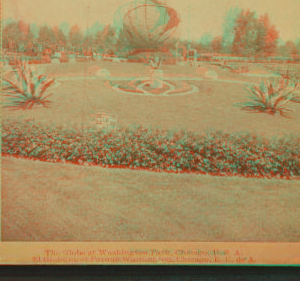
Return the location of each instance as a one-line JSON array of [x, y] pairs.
[[215, 154]]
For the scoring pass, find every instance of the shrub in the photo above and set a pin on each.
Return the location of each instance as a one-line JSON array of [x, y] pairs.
[[238, 70], [27, 89], [223, 63], [63, 59], [270, 96], [46, 59], [214, 153]]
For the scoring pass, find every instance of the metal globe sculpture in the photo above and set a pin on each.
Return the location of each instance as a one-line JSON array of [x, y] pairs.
[[147, 24]]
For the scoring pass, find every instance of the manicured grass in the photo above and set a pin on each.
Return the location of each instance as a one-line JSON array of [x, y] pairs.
[[211, 108], [62, 202], [281, 69]]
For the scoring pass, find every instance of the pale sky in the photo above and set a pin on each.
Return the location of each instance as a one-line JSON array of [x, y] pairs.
[[197, 16]]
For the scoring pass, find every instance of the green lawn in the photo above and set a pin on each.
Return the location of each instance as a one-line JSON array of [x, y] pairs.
[[62, 202], [211, 108]]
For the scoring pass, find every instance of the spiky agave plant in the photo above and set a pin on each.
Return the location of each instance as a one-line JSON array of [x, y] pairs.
[[270, 96], [27, 88], [286, 74], [295, 86]]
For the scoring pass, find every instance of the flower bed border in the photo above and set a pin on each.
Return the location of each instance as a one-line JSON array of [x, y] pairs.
[[250, 156]]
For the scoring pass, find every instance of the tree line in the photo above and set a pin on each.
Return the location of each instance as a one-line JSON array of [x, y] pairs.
[[247, 34], [244, 34], [20, 36]]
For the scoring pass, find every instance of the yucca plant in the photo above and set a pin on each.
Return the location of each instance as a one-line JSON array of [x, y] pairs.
[[270, 95], [26, 89], [295, 88], [223, 63], [286, 74]]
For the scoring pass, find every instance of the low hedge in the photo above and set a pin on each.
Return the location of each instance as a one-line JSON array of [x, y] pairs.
[[214, 153]]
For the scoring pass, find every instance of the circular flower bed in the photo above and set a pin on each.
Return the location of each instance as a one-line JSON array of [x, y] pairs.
[[145, 86]]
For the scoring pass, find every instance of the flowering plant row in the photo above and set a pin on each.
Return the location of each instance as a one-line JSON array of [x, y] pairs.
[[157, 150]]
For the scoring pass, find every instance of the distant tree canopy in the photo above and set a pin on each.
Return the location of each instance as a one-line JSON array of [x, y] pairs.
[[244, 33], [217, 44], [12, 32], [229, 28], [204, 44], [46, 35], [99, 37], [254, 36], [76, 35], [289, 49]]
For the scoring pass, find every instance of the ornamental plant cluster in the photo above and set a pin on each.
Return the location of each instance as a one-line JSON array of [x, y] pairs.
[[27, 89], [270, 96], [156, 150], [291, 72]]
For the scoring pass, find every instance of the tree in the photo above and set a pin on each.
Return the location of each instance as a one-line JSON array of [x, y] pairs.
[[60, 37], [24, 30], [297, 42], [11, 34], [290, 49], [94, 29], [34, 28], [267, 37], [65, 28], [106, 40], [46, 35], [217, 44], [30, 37], [204, 44], [7, 21], [254, 36], [98, 41], [245, 40], [76, 36], [88, 41], [109, 34], [122, 44], [229, 29]]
